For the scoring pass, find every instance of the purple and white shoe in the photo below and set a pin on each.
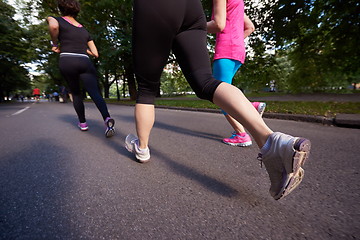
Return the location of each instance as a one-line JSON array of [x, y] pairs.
[[83, 126], [110, 130]]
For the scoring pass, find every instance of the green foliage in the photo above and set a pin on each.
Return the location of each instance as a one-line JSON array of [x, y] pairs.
[[13, 53], [174, 83], [314, 45], [303, 45], [322, 41]]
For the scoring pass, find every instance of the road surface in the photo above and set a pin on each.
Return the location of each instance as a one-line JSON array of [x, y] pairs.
[[60, 183]]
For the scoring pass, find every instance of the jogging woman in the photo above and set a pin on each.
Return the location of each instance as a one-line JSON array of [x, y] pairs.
[[74, 43], [179, 25], [231, 26]]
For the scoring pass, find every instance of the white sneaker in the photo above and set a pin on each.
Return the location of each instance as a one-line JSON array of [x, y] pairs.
[[283, 162], [132, 145]]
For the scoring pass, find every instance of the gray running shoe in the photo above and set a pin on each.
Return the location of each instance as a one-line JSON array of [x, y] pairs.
[[132, 145], [283, 162]]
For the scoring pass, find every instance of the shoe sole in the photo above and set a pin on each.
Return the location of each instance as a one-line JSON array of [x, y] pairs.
[[294, 182], [142, 160], [238, 144], [302, 148], [110, 130], [83, 129]]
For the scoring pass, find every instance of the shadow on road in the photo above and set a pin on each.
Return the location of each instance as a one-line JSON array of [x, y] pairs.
[[36, 182], [210, 183], [97, 130], [177, 129]]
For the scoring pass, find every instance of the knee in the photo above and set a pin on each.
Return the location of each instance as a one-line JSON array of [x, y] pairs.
[[204, 85], [147, 90]]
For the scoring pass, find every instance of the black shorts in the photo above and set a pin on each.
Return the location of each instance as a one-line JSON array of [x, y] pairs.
[[173, 25]]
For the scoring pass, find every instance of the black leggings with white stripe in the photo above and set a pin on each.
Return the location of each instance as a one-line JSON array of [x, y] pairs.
[[76, 68], [161, 26]]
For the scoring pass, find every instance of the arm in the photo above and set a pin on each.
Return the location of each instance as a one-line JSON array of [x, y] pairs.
[[92, 51], [219, 12], [54, 33], [248, 26]]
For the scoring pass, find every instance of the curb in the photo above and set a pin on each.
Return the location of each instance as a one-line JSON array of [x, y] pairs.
[[347, 120]]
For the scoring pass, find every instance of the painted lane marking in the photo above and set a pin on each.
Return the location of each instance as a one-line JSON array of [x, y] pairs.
[[20, 111]]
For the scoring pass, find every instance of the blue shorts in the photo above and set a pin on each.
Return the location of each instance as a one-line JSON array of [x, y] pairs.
[[224, 70]]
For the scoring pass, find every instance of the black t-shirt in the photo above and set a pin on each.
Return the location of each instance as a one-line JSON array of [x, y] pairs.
[[72, 39]]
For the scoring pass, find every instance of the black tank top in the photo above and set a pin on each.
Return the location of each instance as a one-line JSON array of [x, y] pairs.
[[72, 39]]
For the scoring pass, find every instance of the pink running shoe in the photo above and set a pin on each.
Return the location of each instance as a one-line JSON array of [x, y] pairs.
[[243, 140], [83, 126], [260, 107]]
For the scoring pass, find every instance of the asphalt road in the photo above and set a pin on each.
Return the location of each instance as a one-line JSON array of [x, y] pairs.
[[59, 183]]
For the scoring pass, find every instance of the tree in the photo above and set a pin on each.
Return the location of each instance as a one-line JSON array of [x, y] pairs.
[[322, 38], [13, 53], [109, 23]]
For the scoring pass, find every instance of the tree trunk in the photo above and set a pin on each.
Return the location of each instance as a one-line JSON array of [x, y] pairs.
[[124, 86], [117, 87], [106, 84], [1, 94], [129, 74]]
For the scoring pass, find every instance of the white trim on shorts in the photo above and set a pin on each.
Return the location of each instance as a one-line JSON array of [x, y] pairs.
[[74, 54]]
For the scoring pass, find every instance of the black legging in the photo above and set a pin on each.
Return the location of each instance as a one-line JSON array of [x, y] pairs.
[[160, 26], [74, 69]]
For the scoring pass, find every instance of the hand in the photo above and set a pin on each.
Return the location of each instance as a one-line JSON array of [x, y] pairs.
[[91, 53], [55, 49]]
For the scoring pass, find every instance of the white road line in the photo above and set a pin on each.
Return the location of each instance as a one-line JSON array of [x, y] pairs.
[[20, 111]]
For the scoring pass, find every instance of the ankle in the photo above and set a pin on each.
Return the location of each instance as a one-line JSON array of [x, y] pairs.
[[142, 146]]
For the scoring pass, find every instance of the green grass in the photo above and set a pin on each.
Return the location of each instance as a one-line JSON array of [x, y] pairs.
[[327, 109]]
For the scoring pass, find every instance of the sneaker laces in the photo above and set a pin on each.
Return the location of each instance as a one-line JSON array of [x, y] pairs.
[[259, 157], [233, 135]]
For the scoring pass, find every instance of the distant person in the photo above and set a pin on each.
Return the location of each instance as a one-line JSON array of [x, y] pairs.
[[63, 94], [74, 43], [231, 26], [272, 86], [36, 93], [180, 26], [56, 96], [51, 97]]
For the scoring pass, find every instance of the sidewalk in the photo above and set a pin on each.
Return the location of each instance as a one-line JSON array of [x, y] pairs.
[[341, 120]]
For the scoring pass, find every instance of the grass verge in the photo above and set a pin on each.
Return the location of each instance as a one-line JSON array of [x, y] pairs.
[[327, 109]]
